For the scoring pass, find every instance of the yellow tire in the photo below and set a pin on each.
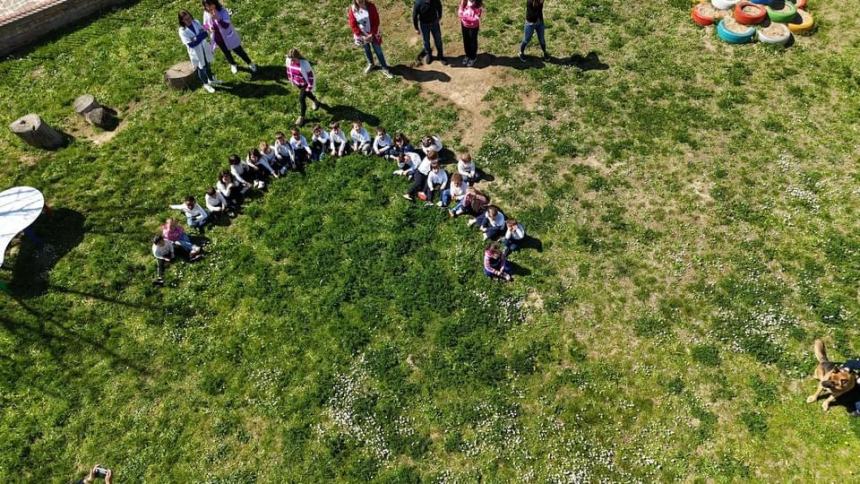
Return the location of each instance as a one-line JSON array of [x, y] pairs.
[[805, 24]]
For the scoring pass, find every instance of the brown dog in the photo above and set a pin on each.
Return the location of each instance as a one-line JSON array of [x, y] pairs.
[[832, 378]]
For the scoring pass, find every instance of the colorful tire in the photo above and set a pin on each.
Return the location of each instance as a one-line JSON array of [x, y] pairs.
[[724, 4], [703, 14], [762, 2], [775, 33], [732, 37], [802, 22], [749, 14], [801, 4], [782, 16]]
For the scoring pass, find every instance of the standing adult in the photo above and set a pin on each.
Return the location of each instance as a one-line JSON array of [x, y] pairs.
[[470, 12], [426, 16], [534, 23], [301, 74], [199, 51], [216, 19], [364, 22]]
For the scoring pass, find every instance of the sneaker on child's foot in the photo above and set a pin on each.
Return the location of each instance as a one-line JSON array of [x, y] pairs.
[[407, 196], [439, 203], [522, 56], [158, 282], [300, 122], [234, 68], [471, 62], [484, 236], [428, 58], [545, 55], [208, 88], [315, 105], [465, 60], [369, 68], [387, 73], [471, 222], [253, 68]]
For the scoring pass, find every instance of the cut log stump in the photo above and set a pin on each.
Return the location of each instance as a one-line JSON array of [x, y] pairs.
[[35, 132], [96, 114], [181, 76]]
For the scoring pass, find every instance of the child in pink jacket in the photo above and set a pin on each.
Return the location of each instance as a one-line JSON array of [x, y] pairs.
[[470, 12]]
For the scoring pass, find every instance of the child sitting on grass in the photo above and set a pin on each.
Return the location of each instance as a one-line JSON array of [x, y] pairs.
[[467, 169], [491, 222], [382, 142], [456, 190], [361, 142], [173, 232], [320, 141], [473, 203], [431, 142], [514, 234], [261, 169], [437, 180], [496, 264], [217, 204], [284, 152], [301, 150], [419, 177], [194, 213], [339, 144], [232, 190], [241, 172], [401, 145], [407, 162]]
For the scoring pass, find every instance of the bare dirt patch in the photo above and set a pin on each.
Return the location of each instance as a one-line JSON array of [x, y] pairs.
[[79, 128]]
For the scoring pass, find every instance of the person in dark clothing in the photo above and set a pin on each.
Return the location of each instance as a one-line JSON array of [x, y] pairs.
[[426, 15], [534, 23]]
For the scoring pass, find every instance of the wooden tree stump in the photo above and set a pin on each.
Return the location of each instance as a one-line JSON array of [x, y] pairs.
[[181, 76], [86, 103], [96, 114], [34, 132]]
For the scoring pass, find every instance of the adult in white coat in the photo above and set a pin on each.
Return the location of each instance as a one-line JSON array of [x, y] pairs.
[[199, 51]]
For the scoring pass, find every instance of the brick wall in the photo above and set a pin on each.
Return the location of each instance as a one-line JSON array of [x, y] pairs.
[[22, 24]]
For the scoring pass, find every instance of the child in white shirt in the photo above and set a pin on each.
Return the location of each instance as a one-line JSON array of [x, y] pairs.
[[339, 145], [455, 191], [436, 180], [514, 235], [382, 142], [361, 142], [431, 142], [283, 152], [320, 141], [407, 162], [467, 169], [301, 150]]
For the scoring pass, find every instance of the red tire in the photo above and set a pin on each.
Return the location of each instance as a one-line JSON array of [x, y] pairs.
[[703, 14], [748, 13]]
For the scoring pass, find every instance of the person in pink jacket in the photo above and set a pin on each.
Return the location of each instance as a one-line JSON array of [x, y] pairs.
[[470, 12], [216, 20], [301, 74]]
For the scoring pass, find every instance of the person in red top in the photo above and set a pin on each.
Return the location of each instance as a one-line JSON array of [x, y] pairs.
[[364, 22]]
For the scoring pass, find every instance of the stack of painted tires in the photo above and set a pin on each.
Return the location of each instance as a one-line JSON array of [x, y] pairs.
[[742, 21]]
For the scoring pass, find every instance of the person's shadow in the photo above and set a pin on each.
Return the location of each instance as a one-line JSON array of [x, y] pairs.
[[588, 62], [350, 113], [418, 75], [58, 231]]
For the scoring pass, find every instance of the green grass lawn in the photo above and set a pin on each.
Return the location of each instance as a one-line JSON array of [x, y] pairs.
[[697, 205]]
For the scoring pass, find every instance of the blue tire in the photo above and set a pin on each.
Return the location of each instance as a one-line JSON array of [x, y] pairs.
[[732, 37]]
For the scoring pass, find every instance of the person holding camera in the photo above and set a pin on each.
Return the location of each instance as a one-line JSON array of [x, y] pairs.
[[97, 472]]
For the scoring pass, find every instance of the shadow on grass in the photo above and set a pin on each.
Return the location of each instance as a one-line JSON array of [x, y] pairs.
[[588, 62], [531, 243], [251, 90], [50, 331], [418, 75], [269, 73], [349, 113], [58, 233]]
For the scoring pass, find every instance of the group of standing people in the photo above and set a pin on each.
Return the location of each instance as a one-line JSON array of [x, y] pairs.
[[364, 22]]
